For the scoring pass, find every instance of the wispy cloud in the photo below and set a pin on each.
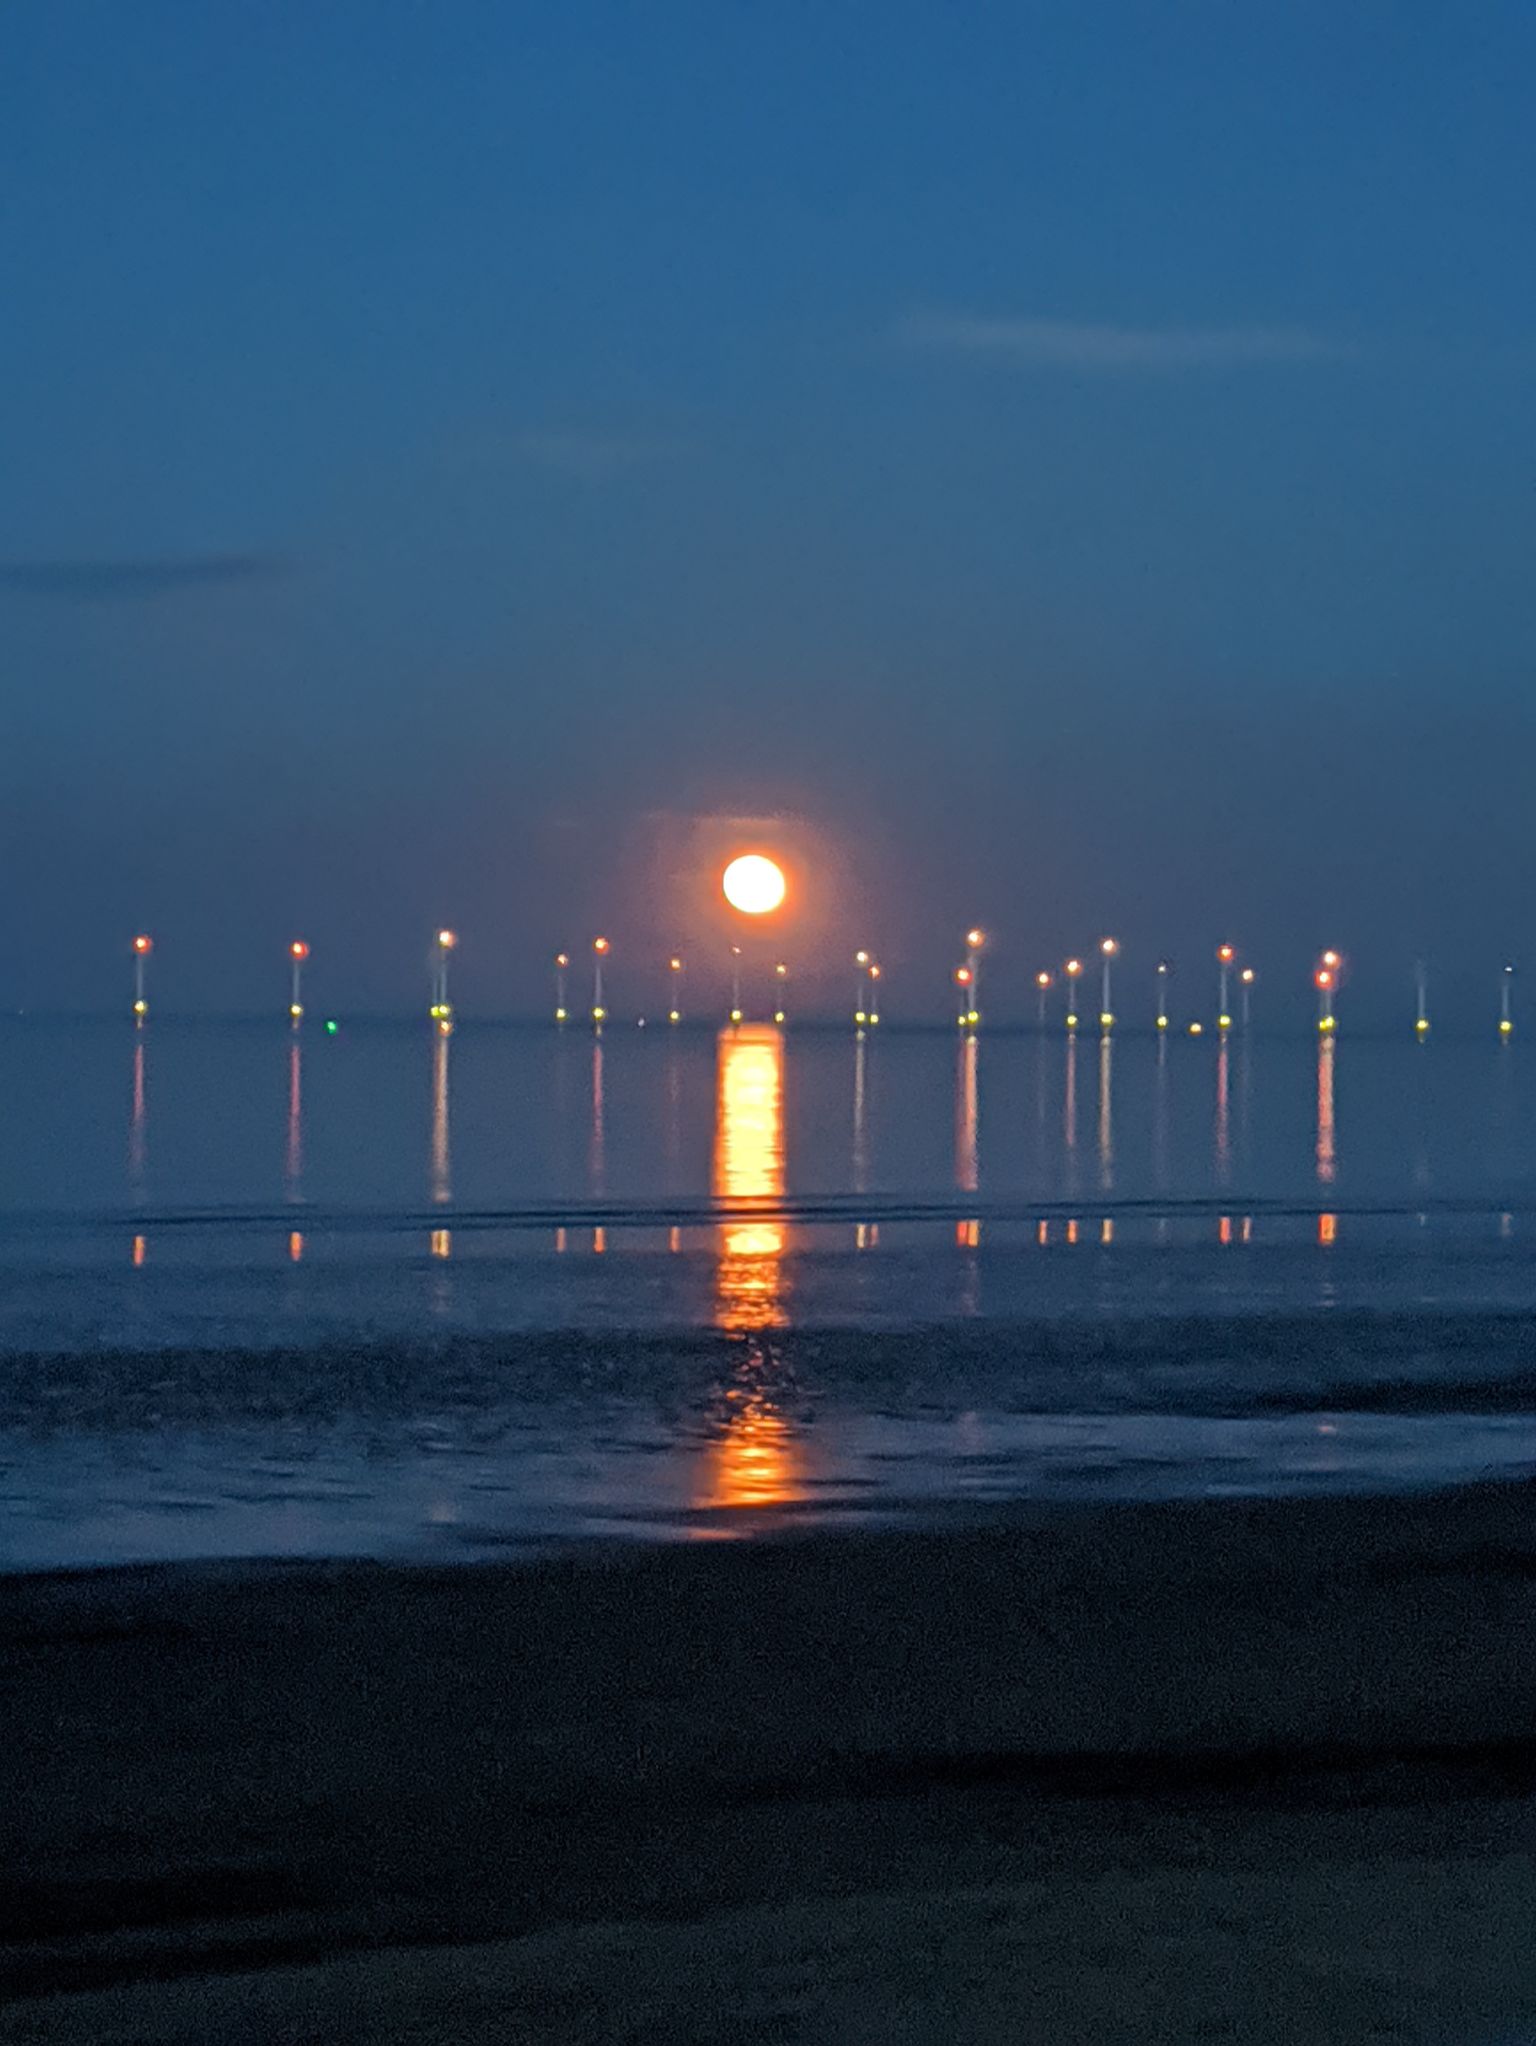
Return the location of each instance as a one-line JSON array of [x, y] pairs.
[[1030, 343], [93, 582]]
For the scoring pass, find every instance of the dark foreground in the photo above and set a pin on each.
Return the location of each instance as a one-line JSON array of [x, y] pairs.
[[1253, 1770]]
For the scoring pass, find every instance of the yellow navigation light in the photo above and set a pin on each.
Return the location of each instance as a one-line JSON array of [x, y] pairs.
[[1197, 1029], [599, 1014], [1162, 1022], [1106, 1020], [1224, 1022], [600, 945], [295, 1010], [975, 939], [1422, 1025], [1109, 947], [1505, 1026], [560, 1015], [1072, 1022], [140, 1008], [447, 939]]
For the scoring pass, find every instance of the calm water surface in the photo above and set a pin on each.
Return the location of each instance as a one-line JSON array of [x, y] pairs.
[[271, 1293]]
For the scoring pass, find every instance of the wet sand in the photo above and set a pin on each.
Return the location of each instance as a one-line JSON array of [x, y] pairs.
[[1107, 1773]]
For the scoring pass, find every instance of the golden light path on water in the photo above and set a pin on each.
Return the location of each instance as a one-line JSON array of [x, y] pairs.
[[754, 1461]]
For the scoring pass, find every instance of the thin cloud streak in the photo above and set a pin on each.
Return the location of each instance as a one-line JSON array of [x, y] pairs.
[[135, 581], [1029, 343]]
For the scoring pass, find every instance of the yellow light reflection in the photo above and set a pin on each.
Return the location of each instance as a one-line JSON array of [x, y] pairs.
[[295, 1246], [749, 1165], [442, 1243], [140, 1249]]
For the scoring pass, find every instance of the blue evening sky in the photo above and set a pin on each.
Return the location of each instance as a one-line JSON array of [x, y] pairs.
[[1073, 462]]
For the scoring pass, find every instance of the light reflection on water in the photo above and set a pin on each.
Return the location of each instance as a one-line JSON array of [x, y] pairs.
[[752, 1460], [762, 1114], [307, 1447], [749, 1165]]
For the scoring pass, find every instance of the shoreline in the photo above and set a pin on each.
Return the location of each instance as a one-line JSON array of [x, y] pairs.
[[233, 1767]]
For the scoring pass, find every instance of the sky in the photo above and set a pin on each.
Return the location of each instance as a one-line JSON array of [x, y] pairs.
[[1063, 466]]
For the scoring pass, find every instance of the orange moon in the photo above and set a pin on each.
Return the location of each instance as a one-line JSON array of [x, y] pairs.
[[754, 884]]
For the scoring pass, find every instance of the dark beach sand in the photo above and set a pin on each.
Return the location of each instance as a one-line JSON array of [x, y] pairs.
[[1257, 1770]]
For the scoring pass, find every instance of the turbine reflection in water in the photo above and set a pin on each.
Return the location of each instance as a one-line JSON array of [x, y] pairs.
[[138, 1135], [1106, 1117], [967, 1135], [1327, 1153], [293, 1151], [1223, 1114], [441, 1158], [860, 1115], [138, 1121], [597, 1141]]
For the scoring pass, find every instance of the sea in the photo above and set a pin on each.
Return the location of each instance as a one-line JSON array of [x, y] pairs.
[[381, 1290]]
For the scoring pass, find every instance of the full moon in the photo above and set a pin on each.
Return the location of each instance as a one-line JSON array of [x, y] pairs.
[[753, 884]]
